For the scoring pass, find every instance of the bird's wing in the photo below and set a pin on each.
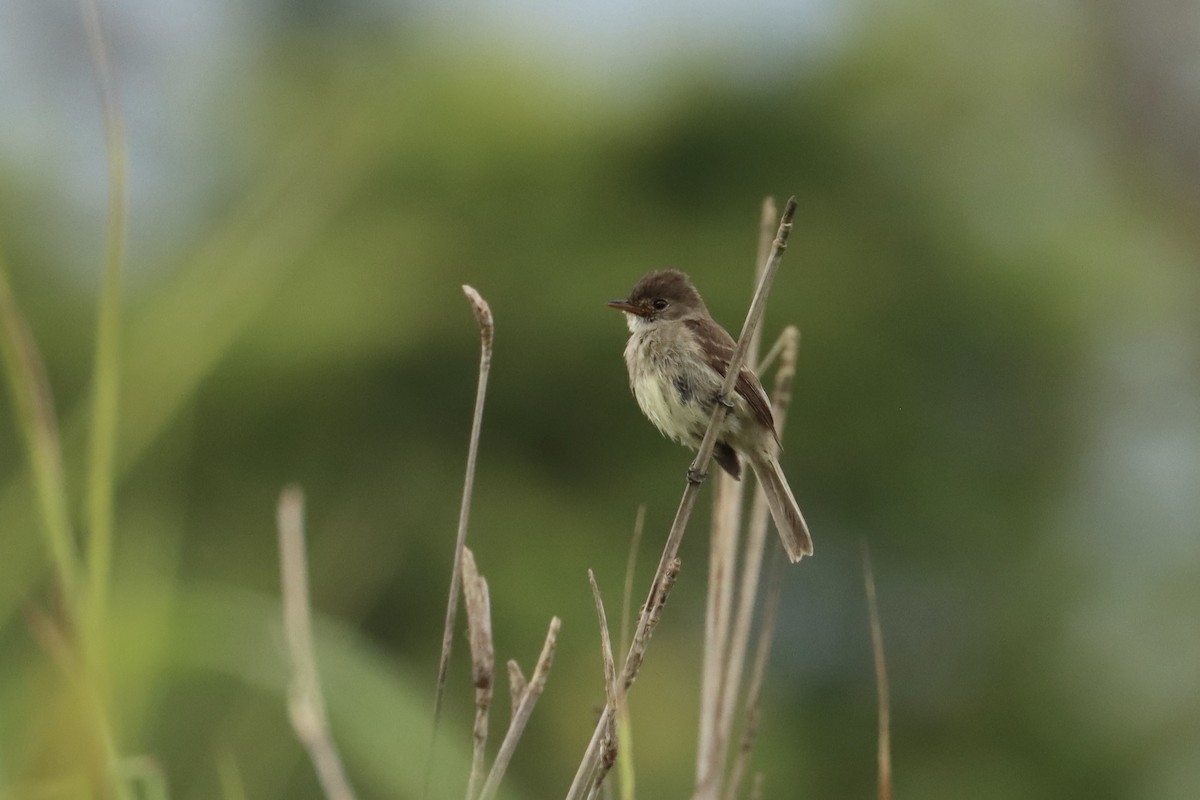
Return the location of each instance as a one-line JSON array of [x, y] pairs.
[[719, 346]]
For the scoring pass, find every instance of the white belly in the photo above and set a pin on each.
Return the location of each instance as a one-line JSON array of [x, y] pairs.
[[662, 404], [678, 400]]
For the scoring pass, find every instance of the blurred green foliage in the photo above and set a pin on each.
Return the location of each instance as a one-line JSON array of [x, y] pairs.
[[963, 249]]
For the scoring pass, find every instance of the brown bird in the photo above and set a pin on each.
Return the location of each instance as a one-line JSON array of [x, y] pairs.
[[678, 357]]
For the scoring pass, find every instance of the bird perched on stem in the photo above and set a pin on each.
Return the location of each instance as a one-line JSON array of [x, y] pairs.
[[678, 357]]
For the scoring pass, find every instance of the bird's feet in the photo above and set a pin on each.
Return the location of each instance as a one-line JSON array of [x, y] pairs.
[[725, 400]]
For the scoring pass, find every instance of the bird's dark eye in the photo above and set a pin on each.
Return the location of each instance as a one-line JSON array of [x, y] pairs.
[[659, 304]]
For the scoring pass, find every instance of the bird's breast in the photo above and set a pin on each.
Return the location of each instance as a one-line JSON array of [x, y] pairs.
[[672, 382]]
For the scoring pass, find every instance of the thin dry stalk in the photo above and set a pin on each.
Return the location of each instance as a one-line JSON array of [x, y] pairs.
[[695, 477], [722, 563], [648, 621], [881, 683], [664, 591], [537, 683], [516, 686], [483, 316], [726, 531], [766, 234], [772, 354], [609, 754], [625, 773], [483, 660], [758, 671], [306, 704], [756, 540], [639, 524]]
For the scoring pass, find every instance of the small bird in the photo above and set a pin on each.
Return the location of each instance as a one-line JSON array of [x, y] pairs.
[[677, 357]]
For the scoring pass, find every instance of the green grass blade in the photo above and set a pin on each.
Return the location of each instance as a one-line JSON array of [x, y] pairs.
[[102, 442]]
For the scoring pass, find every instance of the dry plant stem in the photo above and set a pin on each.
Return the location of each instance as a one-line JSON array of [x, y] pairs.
[[695, 477], [537, 683], [609, 754], [306, 705], [722, 563], [625, 773], [772, 354], [698, 471], [756, 540], [766, 232], [753, 711], [881, 682], [483, 316], [639, 523], [726, 529], [483, 660], [647, 623], [35, 417], [516, 686]]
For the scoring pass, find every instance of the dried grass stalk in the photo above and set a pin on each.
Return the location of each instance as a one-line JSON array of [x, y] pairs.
[[613, 695], [537, 683], [516, 685], [483, 660], [306, 704], [695, 477], [881, 683], [487, 329], [753, 707]]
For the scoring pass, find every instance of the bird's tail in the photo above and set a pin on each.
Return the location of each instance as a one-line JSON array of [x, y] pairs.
[[793, 531]]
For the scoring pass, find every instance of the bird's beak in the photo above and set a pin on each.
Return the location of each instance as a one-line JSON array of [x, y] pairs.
[[626, 306]]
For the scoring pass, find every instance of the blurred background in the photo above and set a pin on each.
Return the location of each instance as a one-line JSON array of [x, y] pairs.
[[994, 269]]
